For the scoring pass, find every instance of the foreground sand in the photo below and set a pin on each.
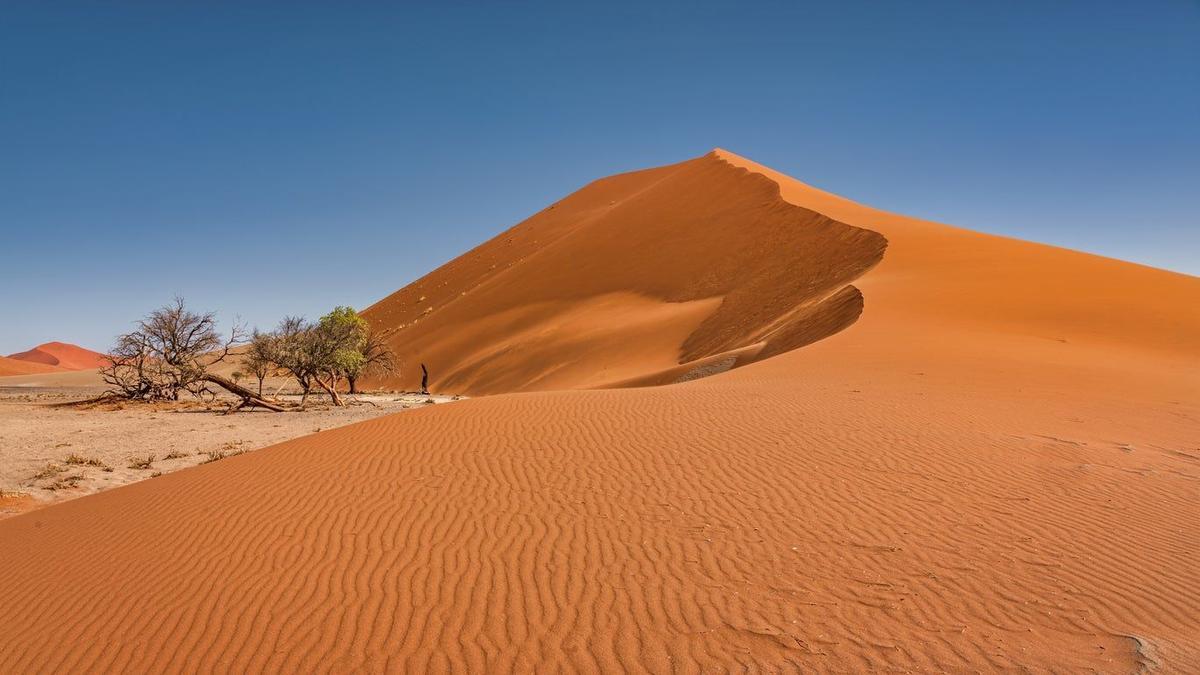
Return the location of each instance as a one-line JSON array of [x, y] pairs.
[[995, 467]]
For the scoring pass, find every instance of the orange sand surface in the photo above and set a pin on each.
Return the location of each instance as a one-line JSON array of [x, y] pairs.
[[61, 355], [11, 366], [639, 276], [991, 461]]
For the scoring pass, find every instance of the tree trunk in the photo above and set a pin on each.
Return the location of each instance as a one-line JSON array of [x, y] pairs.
[[260, 381], [424, 380], [304, 396], [353, 381], [331, 389], [248, 397]]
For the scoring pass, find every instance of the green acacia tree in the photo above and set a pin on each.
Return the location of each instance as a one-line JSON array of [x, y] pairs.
[[339, 338], [339, 344]]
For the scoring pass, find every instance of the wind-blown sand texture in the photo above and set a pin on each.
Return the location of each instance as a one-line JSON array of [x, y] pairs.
[[994, 467], [62, 355]]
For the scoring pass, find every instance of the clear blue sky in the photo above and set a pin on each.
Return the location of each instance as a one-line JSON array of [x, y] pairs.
[[315, 155]]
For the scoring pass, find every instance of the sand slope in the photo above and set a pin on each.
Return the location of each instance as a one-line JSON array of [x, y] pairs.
[[939, 277], [11, 366], [58, 379], [985, 471], [62, 355], [629, 278]]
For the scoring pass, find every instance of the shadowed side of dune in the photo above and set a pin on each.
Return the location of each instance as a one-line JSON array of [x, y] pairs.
[[36, 355], [994, 287], [11, 366], [628, 279]]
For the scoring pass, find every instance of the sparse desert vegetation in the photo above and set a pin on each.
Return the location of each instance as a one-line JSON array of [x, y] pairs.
[[174, 351], [162, 398], [80, 460], [215, 455], [56, 449], [141, 463], [49, 471], [64, 483]]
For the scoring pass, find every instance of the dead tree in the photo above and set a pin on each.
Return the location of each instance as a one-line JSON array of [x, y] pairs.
[[258, 357], [248, 398], [171, 351], [424, 380], [292, 352]]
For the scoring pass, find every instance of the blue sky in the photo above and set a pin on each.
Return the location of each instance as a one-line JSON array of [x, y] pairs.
[[314, 155]]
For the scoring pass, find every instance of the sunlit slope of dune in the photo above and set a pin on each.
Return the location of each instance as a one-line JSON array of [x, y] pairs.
[[994, 468], [628, 278]]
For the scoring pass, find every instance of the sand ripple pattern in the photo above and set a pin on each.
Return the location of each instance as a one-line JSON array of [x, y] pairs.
[[734, 523]]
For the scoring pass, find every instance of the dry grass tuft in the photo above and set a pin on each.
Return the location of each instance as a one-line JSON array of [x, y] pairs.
[[79, 460], [177, 454], [214, 455], [64, 483], [51, 470], [141, 463]]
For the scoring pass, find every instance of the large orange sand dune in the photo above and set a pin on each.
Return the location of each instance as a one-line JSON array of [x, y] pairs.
[[629, 278], [994, 467]]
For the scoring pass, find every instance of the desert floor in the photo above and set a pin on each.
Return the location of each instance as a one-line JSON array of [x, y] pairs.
[[50, 451]]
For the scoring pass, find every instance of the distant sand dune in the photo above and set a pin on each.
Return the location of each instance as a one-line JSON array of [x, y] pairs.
[[989, 463], [59, 355], [11, 366]]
